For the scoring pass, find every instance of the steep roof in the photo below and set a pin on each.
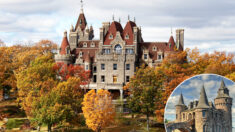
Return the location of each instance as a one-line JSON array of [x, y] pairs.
[[203, 101], [223, 90], [64, 44], [128, 30], [181, 100], [81, 22], [114, 28]]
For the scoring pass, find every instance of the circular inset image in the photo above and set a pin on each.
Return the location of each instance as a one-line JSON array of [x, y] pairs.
[[203, 103]]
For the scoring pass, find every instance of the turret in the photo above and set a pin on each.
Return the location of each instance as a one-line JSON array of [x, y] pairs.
[[224, 102], [202, 111], [64, 56], [180, 107]]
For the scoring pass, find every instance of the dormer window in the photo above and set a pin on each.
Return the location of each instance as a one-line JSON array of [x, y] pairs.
[[145, 56], [170, 45], [110, 36], [68, 50], [81, 21], [85, 44], [127, 36], [80, 53], [154, 48], [92, 44]]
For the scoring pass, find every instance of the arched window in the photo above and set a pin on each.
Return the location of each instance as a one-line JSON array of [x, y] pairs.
[[84, 44], [127, 36], [118, 49]]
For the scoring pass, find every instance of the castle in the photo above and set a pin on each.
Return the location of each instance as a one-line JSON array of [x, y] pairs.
[[204, 116], [113, 58]]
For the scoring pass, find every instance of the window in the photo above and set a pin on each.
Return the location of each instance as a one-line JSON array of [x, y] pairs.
[[159, 57], [154, 48], [203, 113], [92, 44], [145, 56], [94, 78], [94, 68], [129, 51], [85, 44], [204, 128], [127, 78], [102, 78], [106, 51], [170, 45], [114, 79], [80, 21], [80, 54], [127, 36], [102, 66], [118, 49], [110, 36], [114, 66], [127, 66], [87, 67]]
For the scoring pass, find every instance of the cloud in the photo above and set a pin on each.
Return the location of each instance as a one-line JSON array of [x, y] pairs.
[[209, 25]]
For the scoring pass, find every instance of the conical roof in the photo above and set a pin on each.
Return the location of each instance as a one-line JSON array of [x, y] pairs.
[[223, 90], [181, 100], [203, 101], [64, 44]]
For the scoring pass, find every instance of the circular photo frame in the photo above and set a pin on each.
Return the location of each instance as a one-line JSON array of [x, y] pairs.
[[202, 103]]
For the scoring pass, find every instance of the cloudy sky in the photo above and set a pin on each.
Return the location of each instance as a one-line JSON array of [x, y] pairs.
[[191, 91], [209, 25]]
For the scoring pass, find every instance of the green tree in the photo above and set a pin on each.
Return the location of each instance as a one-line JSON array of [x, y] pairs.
[[145, 91]]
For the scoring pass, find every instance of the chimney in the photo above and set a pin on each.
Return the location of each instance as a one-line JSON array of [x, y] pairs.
[[180, 38]]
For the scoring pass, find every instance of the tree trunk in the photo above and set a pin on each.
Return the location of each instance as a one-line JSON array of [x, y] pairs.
[[147, 122], [132, 115], [38, 128], [49, 127]]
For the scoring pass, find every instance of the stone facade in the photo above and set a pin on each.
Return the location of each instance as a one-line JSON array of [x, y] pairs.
[[204, 116], [113, 58]]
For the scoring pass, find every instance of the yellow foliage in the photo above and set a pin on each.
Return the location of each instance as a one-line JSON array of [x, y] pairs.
[[98, 109]]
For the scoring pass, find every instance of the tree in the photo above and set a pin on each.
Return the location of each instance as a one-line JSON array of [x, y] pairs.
[[98, 109], [145, 91], [34, 81], [60, 105]]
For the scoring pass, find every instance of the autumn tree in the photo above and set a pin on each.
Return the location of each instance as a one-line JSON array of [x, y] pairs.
[[145, 91], [98, 109], [61, 105], [35, 80]]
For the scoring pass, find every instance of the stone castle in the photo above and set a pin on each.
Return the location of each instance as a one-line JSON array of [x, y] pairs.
[[204, 116], [113, 58]]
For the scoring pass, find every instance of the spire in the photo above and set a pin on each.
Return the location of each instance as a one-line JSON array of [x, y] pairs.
[[171, 31], [81, 6], [203, 101], [113, 17], [134, 19], [119, 20], [128, 17], [181, 100], [223, 90]]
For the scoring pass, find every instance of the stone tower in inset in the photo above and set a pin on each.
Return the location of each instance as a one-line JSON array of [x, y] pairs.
[[202, 112], [179, 108], [224, 102]]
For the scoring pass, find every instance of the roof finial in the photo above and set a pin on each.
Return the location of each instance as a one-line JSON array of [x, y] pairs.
[[81, 6], [171, 31], [134, 19], [119, 20], [113, 17], [128, 17]]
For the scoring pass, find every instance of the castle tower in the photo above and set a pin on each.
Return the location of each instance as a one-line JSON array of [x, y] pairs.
[[179, 108], [64, 55], [202, 113], [81, 32], [224, 102]]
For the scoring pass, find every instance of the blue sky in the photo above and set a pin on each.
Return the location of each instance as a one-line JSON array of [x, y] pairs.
[[191, 90], [209, 25]]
